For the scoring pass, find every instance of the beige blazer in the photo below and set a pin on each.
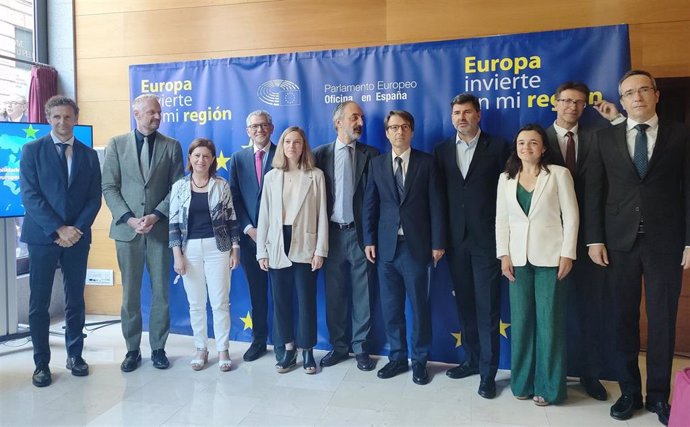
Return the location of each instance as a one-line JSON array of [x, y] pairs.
[[549, 231], [310, 228]]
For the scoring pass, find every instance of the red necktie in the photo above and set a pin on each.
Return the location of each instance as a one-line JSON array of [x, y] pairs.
[[570, 153], [259, 164]]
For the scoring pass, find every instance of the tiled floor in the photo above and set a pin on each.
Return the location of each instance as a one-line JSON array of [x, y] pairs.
[[254, 394]]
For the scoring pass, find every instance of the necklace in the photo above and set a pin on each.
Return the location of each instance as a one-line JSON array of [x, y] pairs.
[[200, 186]]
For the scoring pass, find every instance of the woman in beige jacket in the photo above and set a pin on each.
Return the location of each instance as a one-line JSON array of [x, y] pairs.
[[291, 243]]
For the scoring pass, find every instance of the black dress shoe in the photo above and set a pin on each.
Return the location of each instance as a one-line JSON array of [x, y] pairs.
[[625, 406], [131, 362], [393, 368], [487, 388], [333, 358], [419, 374], [42, 377], [661, 409], [594, 388], [159, 359], [256, 350], [288, 362], [364, 362], [462, 371], [78, 366]]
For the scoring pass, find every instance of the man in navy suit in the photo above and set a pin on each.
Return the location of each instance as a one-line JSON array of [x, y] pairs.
[[348, 275], [60, 181], [468, 165], [404, 231], [247, 169], [637, 213]]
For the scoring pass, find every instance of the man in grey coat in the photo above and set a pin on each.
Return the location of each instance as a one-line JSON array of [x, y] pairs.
[[139, 170]]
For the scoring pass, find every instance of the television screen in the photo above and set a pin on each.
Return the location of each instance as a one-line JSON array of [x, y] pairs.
[[13, 136]]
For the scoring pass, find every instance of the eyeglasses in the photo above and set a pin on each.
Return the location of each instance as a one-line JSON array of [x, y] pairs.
[[258, 126], [395, 128], [644, 90], [13, 103], [576, 102]]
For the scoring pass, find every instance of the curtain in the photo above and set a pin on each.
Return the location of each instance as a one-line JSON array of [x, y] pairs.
[[43, 85]]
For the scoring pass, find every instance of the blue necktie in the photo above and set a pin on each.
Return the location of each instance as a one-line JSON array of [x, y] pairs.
[[62, 154], [640, 156], [399, 183]]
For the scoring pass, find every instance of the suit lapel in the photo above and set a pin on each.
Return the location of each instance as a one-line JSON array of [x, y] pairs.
[[360, 161], [411, 174], [51, 154], [661, 139], [305, 180], [511, 194], [389, 175], [621, 146], [158, 150], [130, 152], [542, 179], [77, 157], [478, 153]]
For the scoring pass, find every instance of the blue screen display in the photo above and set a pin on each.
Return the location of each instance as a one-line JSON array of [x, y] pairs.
[[13, 136]]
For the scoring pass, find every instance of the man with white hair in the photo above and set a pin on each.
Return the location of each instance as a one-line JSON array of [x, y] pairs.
[[139, 170]]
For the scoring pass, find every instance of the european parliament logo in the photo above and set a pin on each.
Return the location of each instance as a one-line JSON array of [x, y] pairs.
[[279, 92]]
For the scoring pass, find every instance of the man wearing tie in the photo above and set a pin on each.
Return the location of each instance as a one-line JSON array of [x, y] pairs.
[[404, 232], [637, 212], [60, 181], [468, 166], [139, 170], [347, 273], [247, 169]]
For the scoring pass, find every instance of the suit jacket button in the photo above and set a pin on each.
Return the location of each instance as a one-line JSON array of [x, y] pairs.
[[637, 208], [142, 203]]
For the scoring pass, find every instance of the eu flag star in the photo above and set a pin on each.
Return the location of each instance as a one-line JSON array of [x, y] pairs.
[[222, 161], [30, 132], [248, 324], [503, 328], [458, 338]]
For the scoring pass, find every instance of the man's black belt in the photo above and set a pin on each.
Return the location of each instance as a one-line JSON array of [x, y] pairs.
[[341, 226]]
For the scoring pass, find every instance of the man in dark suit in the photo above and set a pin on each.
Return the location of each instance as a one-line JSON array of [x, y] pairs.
[[468, 165], [347, 273], [139, 170], [247, 169], [404, 231], [60, 181], [637, 216], [569, 145]]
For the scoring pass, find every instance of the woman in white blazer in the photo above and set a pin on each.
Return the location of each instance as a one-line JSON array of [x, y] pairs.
[[536, 238], [291, 243]]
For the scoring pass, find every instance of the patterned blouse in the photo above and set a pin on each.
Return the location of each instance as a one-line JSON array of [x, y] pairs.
[[223, 218]]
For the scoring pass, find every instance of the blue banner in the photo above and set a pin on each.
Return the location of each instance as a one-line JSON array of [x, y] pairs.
[[514, 76]]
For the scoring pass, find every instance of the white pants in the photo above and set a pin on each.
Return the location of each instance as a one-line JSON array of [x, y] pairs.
[[208, 268]]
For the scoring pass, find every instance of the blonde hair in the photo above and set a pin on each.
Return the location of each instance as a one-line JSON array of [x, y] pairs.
[[306, 160]]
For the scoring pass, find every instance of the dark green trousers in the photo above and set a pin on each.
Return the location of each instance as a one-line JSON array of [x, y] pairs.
[[538, 333]]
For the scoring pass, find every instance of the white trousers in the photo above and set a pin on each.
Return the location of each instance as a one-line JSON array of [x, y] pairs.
[[208, 269]]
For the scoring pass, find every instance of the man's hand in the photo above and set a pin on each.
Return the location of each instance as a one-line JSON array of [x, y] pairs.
[[599, 255], [146, 223], [252, 233], [437, 254], [686, 259], [507, 268], [370, 252], [607, 110], [69, 235], [564, 267]]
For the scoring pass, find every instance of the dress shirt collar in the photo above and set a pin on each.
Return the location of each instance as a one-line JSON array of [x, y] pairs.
[[139, 137], [339, 145], [653, 123], [266, 148], [560, 131], [57, 140], [405, 156], [473, 141]]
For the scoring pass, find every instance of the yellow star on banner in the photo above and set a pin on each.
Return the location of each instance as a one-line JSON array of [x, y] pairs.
[[222, 161], [458, 338], [248, 324], [503, 328], [30, 132]]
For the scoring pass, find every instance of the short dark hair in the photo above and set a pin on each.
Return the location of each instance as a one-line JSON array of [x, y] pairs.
[[636, 73], [405, 115], [514, 164], [464, 98], [59, 100], [203, 142], [578, 86]]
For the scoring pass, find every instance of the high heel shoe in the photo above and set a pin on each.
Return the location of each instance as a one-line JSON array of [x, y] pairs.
[[224, 364], [308, 361], [288, 362], [201, 359]]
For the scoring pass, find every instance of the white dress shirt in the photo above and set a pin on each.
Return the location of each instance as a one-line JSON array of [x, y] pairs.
[[465, 152]]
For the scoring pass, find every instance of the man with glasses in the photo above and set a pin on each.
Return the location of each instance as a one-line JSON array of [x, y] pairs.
[[404, 233], [569, 145], [348, 275], [15, 109], [469, 164], [247, 169], [637, 216]]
